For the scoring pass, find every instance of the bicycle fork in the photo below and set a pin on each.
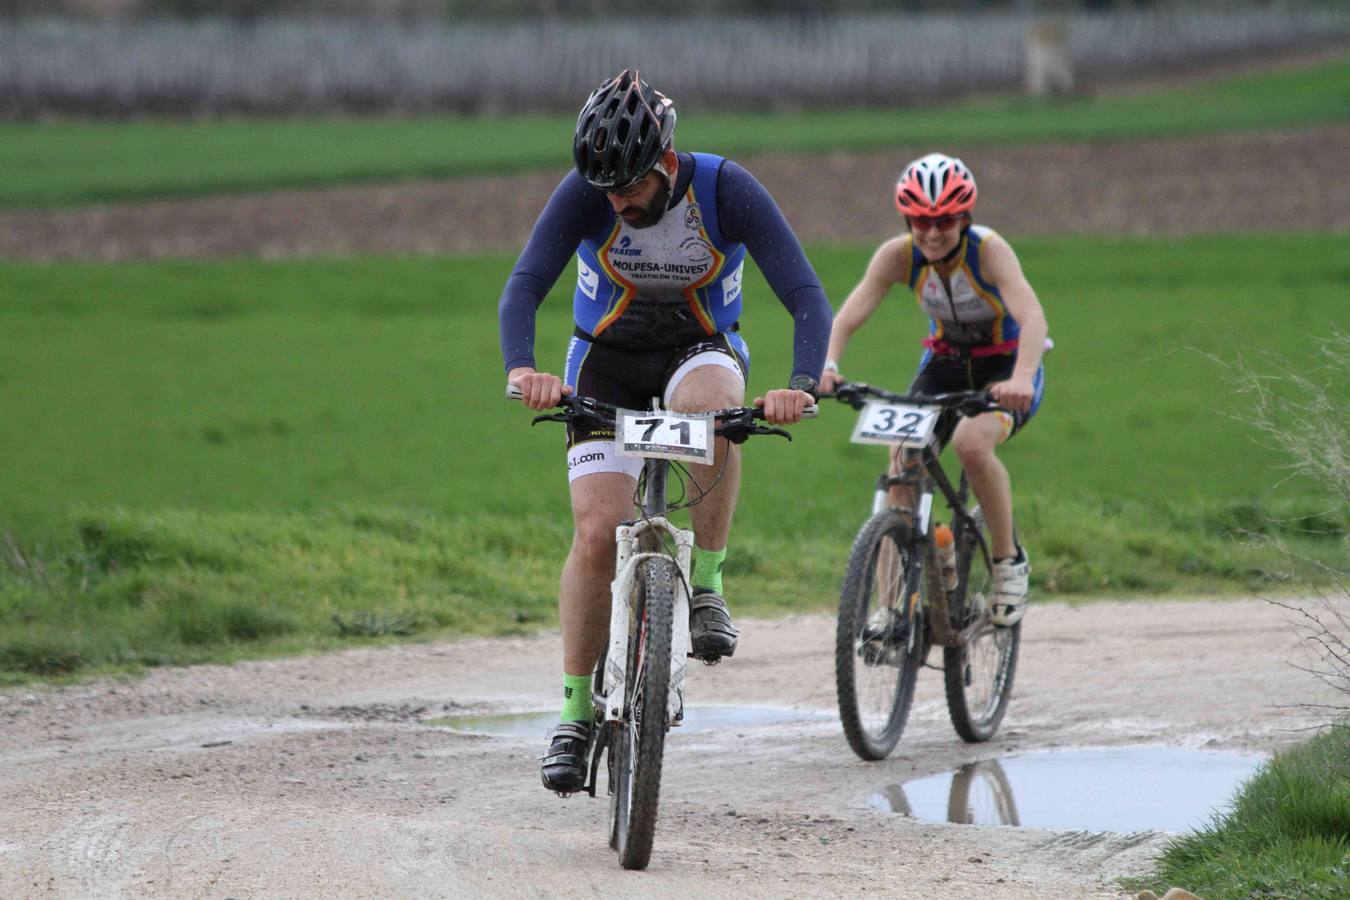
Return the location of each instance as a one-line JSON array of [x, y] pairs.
[[635, 543]]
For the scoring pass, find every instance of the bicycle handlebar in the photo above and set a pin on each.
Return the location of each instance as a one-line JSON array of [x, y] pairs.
[[970, 403], [735, 424]]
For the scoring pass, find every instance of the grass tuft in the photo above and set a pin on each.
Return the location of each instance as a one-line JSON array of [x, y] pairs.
[[39, 657], [1288, 835], [367, 624]]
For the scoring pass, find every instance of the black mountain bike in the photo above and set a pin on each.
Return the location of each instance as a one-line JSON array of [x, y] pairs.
[[897, 601], [639, 684]]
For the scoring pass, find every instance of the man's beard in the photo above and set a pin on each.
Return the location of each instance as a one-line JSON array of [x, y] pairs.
[[650, 214]]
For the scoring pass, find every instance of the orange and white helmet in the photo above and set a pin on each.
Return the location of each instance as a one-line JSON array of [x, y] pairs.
[[935, 185]]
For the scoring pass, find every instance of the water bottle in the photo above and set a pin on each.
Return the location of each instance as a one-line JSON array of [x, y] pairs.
[[946, 555]]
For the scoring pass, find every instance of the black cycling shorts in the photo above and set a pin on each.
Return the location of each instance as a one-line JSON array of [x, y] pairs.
[[631, 378], [940, 374]]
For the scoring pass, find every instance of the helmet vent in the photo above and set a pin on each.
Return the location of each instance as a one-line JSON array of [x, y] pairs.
[[935, 185]]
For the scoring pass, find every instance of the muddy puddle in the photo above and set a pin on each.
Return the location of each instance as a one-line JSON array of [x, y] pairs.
[[1116, 789]]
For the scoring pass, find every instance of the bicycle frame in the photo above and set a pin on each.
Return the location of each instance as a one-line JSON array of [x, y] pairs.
[[921, 470]]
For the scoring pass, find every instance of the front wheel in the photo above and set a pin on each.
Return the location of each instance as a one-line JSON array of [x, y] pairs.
[[879, 640], [981, 795], [979, 672], [639, 744]]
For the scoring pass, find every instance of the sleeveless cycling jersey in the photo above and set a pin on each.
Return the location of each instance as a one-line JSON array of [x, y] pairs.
[[675, 282], [972, 313]]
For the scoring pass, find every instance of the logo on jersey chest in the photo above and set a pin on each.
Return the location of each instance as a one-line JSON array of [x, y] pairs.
[[696, 250], [963, 299], [664, 254]]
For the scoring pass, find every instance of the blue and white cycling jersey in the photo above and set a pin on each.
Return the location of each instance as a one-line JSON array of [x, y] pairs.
[[675, 282], [968, 311]]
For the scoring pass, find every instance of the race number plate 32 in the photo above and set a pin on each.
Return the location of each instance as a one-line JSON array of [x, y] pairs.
[[895, 423], [666, 435]]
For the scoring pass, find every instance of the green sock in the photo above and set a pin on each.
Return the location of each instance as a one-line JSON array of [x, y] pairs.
[[577, 705], [708, 568]]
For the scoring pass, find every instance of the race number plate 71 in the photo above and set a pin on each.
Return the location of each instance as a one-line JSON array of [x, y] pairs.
[[895, 423], [666, 435]]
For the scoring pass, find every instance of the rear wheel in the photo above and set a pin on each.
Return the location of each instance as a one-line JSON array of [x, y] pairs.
[[979, 673], [639, 740], [879, 639]]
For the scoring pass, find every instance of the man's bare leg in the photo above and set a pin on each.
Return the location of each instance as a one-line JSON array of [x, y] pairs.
[[600, 501], [707, 388]]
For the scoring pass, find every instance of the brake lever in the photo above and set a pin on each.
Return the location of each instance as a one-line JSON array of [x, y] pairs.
[[765, 429], [973, 408], [565, 416], [851, 397]]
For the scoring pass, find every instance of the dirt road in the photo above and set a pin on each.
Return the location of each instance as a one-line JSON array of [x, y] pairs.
[[320, 776], [1208, 184]]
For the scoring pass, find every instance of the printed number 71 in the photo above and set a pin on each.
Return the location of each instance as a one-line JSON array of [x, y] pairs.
[[653, 424]]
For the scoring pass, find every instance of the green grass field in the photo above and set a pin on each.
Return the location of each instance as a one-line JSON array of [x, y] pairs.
[[211, 459], [71, 162]]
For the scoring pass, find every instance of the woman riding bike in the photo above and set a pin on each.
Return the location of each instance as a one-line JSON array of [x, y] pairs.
[[987, 332]]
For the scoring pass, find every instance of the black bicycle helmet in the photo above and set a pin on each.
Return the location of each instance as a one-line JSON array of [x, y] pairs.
[[622, 131]]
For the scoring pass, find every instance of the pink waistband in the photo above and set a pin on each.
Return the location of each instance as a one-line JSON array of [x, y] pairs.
[[942, 348]]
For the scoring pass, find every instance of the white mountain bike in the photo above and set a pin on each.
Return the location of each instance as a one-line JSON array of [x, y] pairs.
[[639, 685]]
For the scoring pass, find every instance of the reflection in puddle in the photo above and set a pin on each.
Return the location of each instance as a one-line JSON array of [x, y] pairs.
[[1120, 789], [696, 718]]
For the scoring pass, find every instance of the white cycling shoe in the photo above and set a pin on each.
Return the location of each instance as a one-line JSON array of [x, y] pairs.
[[1009, 601]]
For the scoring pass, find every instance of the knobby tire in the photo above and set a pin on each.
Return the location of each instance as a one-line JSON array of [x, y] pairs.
[[979, 674], [886, 528], [640, 739]]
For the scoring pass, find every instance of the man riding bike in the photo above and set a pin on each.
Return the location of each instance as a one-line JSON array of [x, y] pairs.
[[987, 332], [660, 239]]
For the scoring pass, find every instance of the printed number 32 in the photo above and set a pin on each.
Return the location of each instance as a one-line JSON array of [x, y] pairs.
[[888, 423]]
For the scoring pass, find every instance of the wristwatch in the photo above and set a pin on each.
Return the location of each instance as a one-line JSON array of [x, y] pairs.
[[804, 383]]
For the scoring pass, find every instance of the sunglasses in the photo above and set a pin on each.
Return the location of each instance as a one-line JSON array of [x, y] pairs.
[[924, 223], [630, 190]]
